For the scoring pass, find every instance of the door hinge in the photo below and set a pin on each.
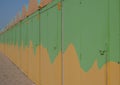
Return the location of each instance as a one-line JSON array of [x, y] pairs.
[[27, 22], [59, 5], [38, 16]]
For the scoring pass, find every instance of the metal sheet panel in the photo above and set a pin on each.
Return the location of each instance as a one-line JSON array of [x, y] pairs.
[[36, 47], [51, 70], [85, 41]]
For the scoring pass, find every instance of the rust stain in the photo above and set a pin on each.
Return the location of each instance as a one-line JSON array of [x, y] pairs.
[[59, 6]]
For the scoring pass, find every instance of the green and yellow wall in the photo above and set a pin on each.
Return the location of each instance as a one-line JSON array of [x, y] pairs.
[[67, 42]]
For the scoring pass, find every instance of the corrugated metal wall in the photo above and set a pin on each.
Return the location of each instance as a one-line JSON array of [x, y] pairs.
[[28, 43], [89, 31]]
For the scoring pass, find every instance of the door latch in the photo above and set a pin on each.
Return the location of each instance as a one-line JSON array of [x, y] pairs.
[[102, 52]]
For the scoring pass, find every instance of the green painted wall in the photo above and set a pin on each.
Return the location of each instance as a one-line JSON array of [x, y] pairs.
[[90, 25]]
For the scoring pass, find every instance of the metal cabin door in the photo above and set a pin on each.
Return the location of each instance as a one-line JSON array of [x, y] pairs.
[[85, 42], [114, 27], [50, 26]]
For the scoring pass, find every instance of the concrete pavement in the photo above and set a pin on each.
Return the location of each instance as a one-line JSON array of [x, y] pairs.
[[10, 74]]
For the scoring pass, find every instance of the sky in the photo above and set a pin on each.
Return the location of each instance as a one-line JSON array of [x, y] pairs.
[[9, 9]]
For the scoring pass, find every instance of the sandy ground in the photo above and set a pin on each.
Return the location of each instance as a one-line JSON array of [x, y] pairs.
[[10, 74]]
